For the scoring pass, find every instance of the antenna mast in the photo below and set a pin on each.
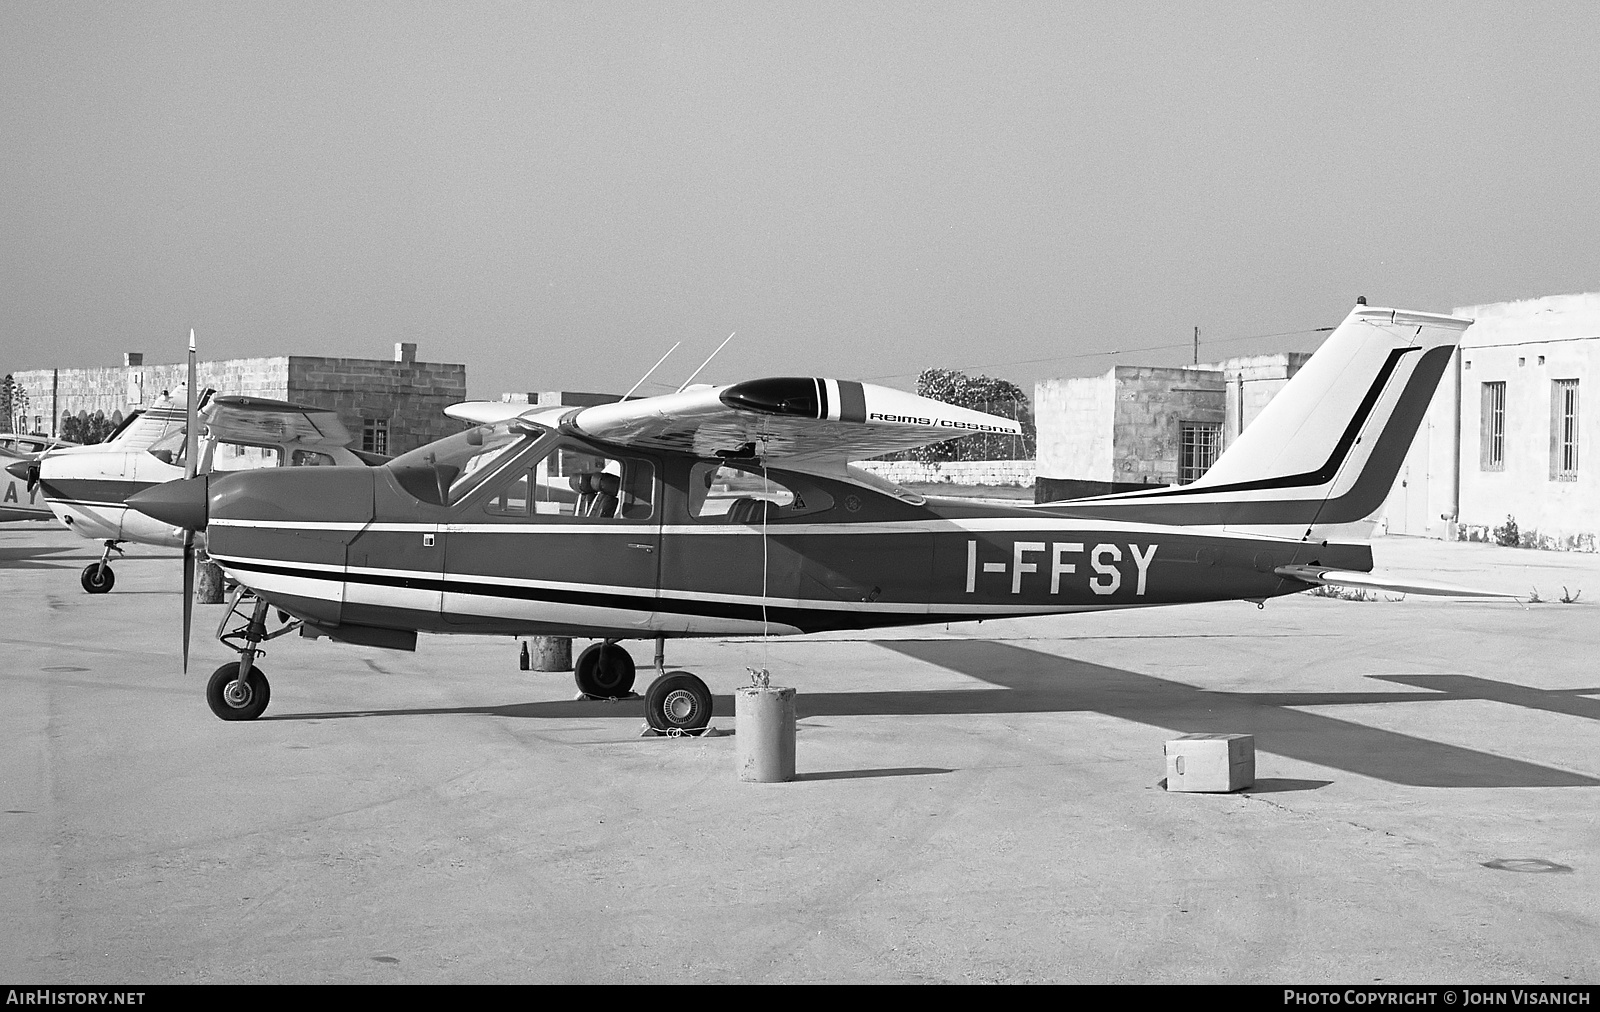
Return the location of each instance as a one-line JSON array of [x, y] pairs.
[[707, 362], [652, 369]]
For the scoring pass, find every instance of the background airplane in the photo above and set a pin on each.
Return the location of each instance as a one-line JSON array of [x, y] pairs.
[[734, 511], [20, 501], [87, 487]]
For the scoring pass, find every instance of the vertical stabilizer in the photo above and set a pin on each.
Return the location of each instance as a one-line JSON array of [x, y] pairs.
[[1325, 452]]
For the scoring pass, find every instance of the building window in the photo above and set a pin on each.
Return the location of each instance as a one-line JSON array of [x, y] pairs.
[[1200, 442], [1492, 428], [375, 435], [1564, 430]]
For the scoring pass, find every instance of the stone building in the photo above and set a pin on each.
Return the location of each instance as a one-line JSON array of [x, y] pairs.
[[390, 406], [1138, 425], [1506, 435]]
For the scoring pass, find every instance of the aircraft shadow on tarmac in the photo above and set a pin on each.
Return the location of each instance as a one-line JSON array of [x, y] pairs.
[[1027, 681], [34, 558]]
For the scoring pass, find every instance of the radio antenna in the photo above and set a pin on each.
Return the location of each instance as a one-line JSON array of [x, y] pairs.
[[653, 368], [707, 362]]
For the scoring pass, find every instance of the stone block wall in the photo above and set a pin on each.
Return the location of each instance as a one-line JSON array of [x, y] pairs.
[[119, 390], [1073, 417], [410, 396], [1017, 473], [1151, 402]]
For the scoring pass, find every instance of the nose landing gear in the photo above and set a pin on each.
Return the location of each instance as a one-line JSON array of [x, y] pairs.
[[97, 577], [239, 690]]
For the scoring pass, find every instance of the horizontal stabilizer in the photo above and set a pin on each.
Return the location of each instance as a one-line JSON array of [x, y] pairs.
[[1318, 576]]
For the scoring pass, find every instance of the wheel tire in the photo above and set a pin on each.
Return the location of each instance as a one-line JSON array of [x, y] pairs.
[[678, 703], [97, 579], [258, 692], [604, 670]]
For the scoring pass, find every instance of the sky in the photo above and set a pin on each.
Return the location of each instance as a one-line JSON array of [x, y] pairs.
[[556, 193]]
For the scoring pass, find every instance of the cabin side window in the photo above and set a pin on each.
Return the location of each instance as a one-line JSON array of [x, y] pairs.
[[244, 457], [724, 493], [574, 481]]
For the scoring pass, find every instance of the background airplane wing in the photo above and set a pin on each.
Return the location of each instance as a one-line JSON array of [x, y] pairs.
[[794, 419], [238, 419]]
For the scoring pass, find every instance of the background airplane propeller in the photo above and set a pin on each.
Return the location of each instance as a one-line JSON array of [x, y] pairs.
[[191, 451]]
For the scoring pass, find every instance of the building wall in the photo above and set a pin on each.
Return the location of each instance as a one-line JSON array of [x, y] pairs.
[[410, 396], [1251, 382], [1150, 404], [1017, 473], [1529, 345], [1074, 420], [118, 390]]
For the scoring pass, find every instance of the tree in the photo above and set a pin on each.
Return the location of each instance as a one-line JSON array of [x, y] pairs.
[[15, 404], [85, 428], [979, 393], [8, 388]]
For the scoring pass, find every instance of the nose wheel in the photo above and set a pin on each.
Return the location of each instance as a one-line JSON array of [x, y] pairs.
[[233, 698], [97, 577]]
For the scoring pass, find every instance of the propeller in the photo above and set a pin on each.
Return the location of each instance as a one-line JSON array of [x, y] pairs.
[[191, 451]]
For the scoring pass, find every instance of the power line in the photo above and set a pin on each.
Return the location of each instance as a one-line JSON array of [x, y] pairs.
[[1107, 354]]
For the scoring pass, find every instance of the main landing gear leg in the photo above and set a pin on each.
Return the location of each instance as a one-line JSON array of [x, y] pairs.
[[678, 703], [239, 690], [97, 577]]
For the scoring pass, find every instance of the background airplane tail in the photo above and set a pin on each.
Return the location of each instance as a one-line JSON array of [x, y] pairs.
[[1325, 451]]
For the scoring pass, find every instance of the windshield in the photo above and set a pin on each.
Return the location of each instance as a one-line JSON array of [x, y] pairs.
[[172, 447], [447, 469]]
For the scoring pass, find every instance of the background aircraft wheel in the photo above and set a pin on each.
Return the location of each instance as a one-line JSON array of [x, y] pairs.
[[678, 702], [604, 670], [228, 704], [97, 579]]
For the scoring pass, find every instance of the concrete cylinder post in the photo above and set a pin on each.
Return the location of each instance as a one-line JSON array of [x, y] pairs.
[[550, 653], [208, 580], [764, 719]]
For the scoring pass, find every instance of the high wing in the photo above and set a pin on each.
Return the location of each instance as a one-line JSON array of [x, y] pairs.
[[235, 418], [798, 420]]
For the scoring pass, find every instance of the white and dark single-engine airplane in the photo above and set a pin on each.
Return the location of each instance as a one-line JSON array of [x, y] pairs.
[[733, 510], [87, 487]]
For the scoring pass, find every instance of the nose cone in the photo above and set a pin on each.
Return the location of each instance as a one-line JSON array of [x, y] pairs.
[[19, 469], [181, 503]]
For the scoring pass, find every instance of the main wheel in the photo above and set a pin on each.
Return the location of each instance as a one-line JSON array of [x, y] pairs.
[[97, 579], [229, 702], [678, 703], [604, 670]]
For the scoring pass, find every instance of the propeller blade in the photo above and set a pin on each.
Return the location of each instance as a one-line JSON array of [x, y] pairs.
[[191, 438], [188, 593], [192, 430]]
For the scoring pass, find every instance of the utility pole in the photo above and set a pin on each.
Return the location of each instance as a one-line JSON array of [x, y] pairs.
[[1197, 346]]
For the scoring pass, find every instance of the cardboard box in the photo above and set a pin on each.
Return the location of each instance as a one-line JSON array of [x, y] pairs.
[[1211, 763]]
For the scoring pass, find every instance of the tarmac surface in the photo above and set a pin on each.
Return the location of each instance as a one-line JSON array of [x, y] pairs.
[[975, 802]]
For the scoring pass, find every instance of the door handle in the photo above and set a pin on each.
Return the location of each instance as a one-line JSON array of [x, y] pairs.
[[642, 548]]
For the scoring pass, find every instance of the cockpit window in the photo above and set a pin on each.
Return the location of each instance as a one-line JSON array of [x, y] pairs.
[[172, 448], [446, 469]]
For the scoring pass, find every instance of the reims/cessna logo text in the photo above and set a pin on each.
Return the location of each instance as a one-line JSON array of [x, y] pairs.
[[943, 423]]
